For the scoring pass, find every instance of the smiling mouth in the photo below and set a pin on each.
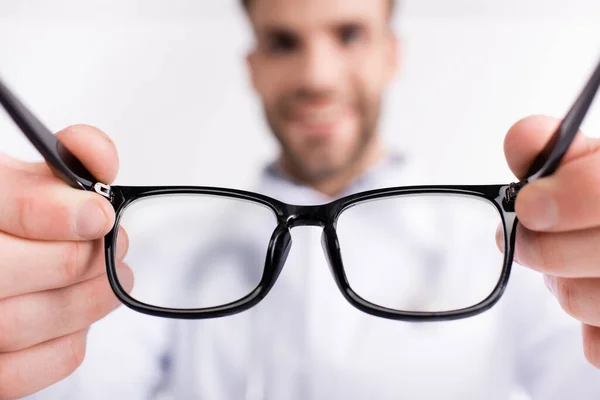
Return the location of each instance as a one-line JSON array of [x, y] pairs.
[[320, 121]]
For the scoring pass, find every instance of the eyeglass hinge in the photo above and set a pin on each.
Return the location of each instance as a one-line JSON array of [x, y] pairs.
[[103, 190], [511, 193]]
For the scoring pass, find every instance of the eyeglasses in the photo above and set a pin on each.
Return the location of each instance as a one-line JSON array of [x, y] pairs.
[[413, 253]]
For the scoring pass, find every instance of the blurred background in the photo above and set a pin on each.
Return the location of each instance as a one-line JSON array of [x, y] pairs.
[[168, 82]]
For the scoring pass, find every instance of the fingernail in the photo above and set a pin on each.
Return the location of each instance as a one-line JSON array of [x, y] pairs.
[[550, 282], [125, 277], [500, 237], [542, 212], [90, 220], [523, 251], [500, 241], [121, 249]]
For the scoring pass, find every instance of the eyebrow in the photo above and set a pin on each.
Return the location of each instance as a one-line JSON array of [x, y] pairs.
[[273, 30]]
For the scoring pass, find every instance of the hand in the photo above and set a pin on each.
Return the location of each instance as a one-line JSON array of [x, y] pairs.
[[559, 222], [52, 270]]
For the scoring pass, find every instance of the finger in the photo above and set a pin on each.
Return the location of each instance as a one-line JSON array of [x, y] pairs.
[[26, 211], [571, 254], [28, 371], [90, 145], [526, 138], [94, 149], [28, 266], [42, 208], [39, 168], [566, 200], [591, 344], [578, 297], [34, 318]]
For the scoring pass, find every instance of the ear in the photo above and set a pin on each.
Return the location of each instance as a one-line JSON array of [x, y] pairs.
[[250, 63], [393, 57]]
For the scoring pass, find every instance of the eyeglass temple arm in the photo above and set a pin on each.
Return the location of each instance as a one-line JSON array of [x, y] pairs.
[[72, 171], [549, 158], [60, 160]]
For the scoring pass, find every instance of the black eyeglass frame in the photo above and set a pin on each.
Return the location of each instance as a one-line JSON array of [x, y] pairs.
[[325, 216], [67, 167]]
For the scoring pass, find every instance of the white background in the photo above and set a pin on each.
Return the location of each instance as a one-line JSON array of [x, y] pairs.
[[167, 81]]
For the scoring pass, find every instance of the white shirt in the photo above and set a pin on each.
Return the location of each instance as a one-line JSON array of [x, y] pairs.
[[305, 341]]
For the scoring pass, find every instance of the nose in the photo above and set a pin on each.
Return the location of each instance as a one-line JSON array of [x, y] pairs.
[[319, 66]]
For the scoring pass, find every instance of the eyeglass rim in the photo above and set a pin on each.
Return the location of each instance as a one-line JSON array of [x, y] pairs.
[[326, 216]]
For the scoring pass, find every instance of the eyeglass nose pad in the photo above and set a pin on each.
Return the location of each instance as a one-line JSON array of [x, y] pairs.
[[331, 248], [281, 243], [326, 251]]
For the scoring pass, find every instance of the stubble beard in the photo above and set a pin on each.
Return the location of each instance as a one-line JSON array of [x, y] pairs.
[[294, 163]]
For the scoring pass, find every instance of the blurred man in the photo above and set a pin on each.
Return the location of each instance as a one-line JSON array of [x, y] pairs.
[[320, 68]]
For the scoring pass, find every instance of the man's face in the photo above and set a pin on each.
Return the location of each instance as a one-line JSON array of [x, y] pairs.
[[320, 67]]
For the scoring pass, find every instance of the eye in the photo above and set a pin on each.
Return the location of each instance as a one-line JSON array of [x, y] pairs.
[[282, 43], [349, 34]]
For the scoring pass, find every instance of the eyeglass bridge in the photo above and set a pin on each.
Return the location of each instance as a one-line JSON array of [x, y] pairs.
[[306, 216]]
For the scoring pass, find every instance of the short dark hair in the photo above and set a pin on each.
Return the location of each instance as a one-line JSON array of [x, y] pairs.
[[392, 5]]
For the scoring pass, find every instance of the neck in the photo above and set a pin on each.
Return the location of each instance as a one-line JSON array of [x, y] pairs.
[[336, 182]]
